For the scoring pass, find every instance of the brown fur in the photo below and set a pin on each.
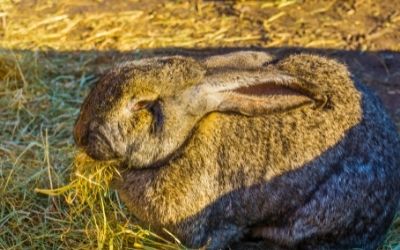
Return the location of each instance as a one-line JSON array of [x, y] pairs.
[[208, 175]]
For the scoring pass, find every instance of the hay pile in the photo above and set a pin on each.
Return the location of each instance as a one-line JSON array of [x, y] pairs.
[[51, 196]]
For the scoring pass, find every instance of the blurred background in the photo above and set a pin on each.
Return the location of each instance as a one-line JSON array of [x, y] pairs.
[[52, 51]]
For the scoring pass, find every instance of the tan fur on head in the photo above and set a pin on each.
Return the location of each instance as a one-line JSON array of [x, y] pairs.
[[193, 133]]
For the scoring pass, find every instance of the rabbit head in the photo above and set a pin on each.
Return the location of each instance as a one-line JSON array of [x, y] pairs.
[[142, 112], [134, 112]]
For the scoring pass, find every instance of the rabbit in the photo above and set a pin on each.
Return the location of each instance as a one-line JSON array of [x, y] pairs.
[[293, 151]]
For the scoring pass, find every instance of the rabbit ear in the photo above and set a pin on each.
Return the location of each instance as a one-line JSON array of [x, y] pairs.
[[252, 96], [238, 60]]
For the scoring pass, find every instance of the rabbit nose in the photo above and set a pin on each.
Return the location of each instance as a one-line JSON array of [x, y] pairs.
[[81, 133]]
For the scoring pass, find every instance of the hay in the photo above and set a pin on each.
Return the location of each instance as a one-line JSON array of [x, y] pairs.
[[107, 222], [52, 197]]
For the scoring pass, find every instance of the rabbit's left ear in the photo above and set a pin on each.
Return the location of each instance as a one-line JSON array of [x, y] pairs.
[[251, 96], [238, 60]]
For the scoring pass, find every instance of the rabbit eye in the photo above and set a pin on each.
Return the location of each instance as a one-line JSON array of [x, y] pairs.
[[144, 104], [154, 107]]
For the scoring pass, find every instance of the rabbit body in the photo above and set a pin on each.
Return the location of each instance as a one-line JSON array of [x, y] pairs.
[[323, 175]]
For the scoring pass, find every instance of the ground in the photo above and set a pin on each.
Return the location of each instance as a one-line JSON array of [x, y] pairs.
[[52, 51]]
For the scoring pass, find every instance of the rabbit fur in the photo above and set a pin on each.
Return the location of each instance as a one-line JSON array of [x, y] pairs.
[[291, 151]]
